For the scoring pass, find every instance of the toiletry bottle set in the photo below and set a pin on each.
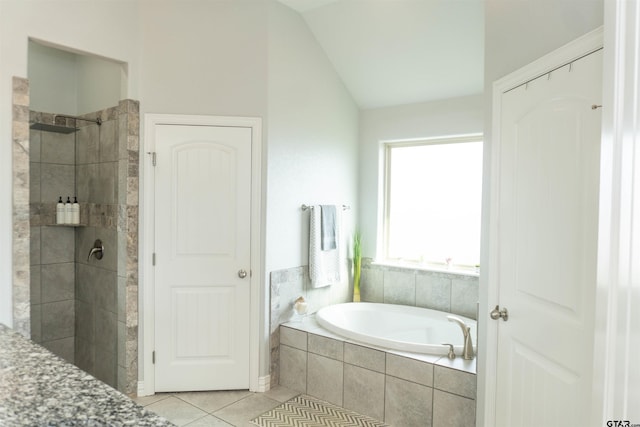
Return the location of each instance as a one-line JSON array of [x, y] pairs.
[[69, 212]]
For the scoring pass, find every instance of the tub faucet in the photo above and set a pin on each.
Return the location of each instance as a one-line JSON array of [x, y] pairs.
[[467, 350]]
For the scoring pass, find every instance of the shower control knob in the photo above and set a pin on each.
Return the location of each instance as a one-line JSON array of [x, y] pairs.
[[242, 274]]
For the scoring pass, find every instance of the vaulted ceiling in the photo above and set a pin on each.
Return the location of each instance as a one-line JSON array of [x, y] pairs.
[[395, 52]]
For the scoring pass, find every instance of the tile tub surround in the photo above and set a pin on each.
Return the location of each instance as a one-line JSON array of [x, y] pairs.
[[444, 291], [38, 388], [454, 293], [399, 388], [285, 287]]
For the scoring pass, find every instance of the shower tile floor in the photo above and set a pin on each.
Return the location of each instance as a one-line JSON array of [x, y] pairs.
[[215, 408]]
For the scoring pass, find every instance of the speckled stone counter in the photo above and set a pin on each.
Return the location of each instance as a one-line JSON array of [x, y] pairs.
[[40, 389]]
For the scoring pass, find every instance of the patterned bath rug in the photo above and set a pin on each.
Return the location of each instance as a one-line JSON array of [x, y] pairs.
[[306, 411]]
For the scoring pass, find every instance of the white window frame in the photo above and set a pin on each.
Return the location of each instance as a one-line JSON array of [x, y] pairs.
[[388, 146]]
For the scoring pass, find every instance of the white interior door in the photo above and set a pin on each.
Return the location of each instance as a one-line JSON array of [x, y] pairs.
[[202, 285], [547, 219]]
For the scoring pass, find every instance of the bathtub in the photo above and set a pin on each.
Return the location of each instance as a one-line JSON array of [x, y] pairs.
[[395, 327]]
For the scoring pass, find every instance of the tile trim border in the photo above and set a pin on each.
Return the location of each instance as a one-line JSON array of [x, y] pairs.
[[20, 197]]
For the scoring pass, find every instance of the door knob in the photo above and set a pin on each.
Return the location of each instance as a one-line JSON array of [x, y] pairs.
[[242, 274], [496, 313]]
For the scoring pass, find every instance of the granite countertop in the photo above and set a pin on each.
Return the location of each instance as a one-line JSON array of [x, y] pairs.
[[38, 388]]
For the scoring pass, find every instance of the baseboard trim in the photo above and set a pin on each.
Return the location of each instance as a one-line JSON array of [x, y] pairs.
[[141, 389], [264, 383]]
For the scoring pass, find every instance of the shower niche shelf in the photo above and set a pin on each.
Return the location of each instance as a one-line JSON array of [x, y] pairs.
[[66, 225]]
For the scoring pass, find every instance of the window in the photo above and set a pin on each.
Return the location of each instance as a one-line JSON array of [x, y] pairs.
[[433, 197]]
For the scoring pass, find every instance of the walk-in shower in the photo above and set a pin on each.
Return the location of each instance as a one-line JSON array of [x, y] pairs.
[[79, 303]]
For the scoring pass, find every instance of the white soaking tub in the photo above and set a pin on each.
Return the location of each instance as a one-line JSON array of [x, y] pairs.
[[396, 327]]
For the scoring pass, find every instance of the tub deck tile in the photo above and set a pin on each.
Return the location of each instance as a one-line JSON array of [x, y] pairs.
[[324, 346], [410, 369], [364, 357], [454, 381], [293, 338], [310, 325], [364, 391], [407, 404]]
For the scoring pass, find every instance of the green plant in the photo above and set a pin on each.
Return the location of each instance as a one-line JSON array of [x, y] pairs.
[[357, 263]]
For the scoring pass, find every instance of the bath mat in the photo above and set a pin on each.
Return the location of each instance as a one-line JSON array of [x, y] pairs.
[[306, 411]]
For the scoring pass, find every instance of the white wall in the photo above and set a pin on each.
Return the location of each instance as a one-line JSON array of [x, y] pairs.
[[517, 33], [313, 137], [101, 83], [313, 141], [52, 77], [454, 116], [204, 57], [70, 83], [105, 27]]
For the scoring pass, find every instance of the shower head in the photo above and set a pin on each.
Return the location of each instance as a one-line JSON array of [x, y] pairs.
[[97, 121], [53, 128], [59, 124]]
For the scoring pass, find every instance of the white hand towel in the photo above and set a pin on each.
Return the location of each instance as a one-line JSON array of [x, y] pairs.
[[324, 266]]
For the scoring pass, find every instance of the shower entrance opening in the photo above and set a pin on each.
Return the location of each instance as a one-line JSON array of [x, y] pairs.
[[80, 269], [76, 139]]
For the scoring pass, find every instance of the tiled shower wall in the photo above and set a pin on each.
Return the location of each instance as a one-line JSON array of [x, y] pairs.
[[21, 269], [106, 290], [86, 310], [52, 169], [96, 280]]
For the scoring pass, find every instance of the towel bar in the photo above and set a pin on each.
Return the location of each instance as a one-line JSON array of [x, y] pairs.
[[305, 207]]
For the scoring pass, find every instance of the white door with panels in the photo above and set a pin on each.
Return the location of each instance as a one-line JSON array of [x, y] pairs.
[[202, 255], [544, 248]]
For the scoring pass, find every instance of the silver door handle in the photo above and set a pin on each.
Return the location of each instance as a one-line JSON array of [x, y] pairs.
[[242, 274], [496, 313]]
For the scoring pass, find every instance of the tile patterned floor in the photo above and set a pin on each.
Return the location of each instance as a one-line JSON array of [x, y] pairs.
[[215, 408], [305, 410]]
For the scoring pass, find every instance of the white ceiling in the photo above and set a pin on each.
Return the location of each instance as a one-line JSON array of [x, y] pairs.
[[394, 52]]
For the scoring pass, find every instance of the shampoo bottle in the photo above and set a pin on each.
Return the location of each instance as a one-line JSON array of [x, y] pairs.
[[68, 216], [60, 211], [75, 211]]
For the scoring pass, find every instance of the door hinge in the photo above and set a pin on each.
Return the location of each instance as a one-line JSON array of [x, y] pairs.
[[153, 157], [153, 357], [153, 259]]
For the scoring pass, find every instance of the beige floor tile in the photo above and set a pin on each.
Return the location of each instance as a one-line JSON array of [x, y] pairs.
[[209, 421], [148, 400], [177, 411], [281, 394], [239, 413], [211, 401]]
